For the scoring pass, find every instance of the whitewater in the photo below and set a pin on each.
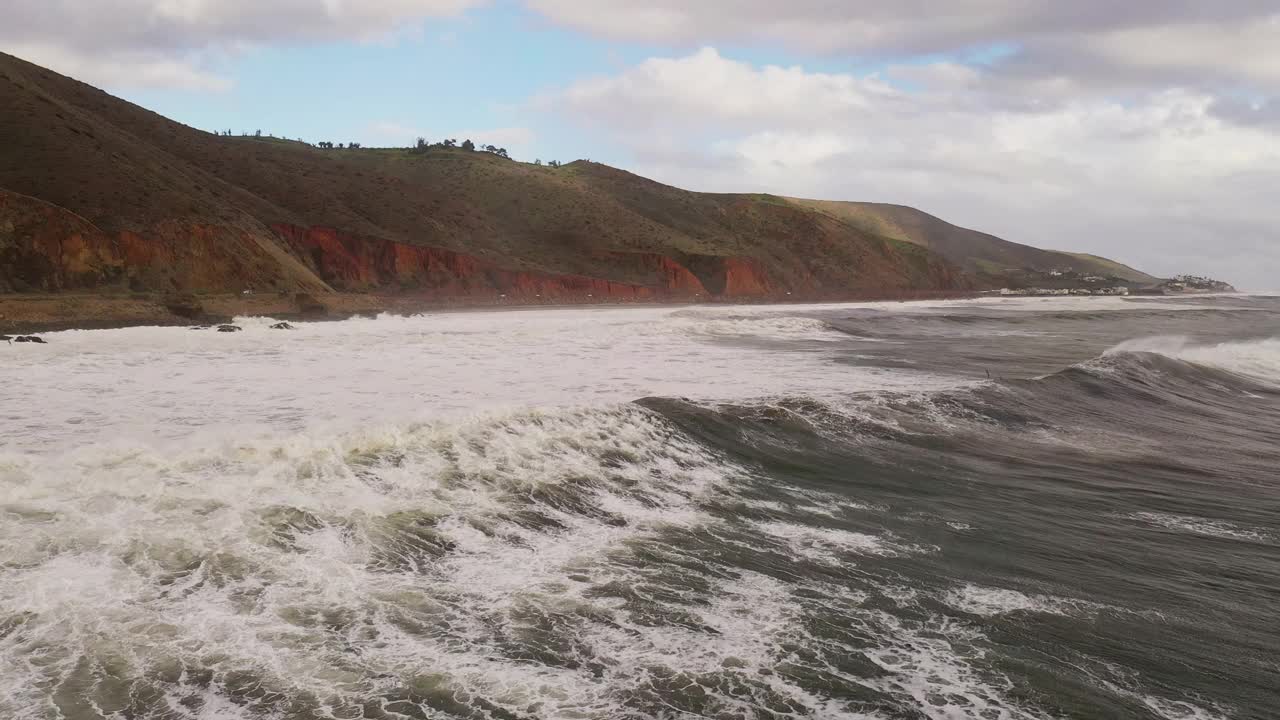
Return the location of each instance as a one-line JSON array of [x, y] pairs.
[[1007, 508]]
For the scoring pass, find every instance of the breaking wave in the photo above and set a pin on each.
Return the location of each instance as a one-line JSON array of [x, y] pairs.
[[783, 530], [1257, 358], [562, 563]]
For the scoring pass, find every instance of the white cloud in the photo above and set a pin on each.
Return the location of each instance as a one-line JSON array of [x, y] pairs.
[[1096, 41], [167, 42], [124, 68], [936, 75], [1156, 179], [707, 84], [1248, 50]]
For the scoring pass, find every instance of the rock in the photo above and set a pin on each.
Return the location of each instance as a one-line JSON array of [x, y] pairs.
[[199, 327], [29, 339], [282, 326], [229, 328]]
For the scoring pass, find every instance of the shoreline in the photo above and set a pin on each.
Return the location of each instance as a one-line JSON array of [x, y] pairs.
[[55, 312]]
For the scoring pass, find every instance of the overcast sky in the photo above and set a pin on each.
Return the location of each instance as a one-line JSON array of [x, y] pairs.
[[1146, 130]]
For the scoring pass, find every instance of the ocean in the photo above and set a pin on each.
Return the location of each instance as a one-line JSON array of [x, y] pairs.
[[994, 509]]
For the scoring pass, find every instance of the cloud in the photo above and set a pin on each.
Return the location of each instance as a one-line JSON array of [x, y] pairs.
[[1161, 179], [1093, 41], [169, 43], [126, 68], [706, 83]]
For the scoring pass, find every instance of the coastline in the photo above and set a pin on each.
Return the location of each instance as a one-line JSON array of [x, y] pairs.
[[54, 312]]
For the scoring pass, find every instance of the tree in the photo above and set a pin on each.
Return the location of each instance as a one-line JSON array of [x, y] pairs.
[[468, 145], [502, 153], [538, 161], [422, 144], [554, 163], [353, 146], [450, 143], [257, 133]]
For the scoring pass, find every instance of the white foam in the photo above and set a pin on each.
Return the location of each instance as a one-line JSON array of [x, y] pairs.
[[932, 663], [764, 323], [991, 601], [156, 386], [1255, 358], [826, 544], [1164, 707], [224, 552], [1180, 709], [1202, 526]]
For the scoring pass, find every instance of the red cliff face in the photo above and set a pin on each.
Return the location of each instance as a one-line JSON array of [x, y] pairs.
[[744, 277], [46, 248], [347, 262]]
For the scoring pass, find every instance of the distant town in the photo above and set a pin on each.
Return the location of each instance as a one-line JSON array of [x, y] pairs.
[[1068, 282]]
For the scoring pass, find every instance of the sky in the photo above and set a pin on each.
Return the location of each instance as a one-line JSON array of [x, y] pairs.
[[1147, 131]]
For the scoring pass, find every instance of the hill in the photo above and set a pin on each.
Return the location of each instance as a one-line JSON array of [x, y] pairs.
[[99, 195], [991, 259]]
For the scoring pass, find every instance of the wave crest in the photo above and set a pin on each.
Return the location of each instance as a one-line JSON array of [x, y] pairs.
[[1258, 359]]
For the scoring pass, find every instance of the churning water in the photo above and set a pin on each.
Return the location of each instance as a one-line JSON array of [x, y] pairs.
[[1007, 509]]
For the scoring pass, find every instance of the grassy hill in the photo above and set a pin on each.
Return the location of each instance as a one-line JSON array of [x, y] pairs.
[[988, 257], [97, 194]]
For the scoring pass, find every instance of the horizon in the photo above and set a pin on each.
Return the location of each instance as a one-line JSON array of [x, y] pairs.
[[1144, 137]]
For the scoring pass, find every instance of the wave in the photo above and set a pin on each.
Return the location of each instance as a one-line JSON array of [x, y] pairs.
[[1255, 358], [554, 563], [761, 325], [317, 569], [812, 554]]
